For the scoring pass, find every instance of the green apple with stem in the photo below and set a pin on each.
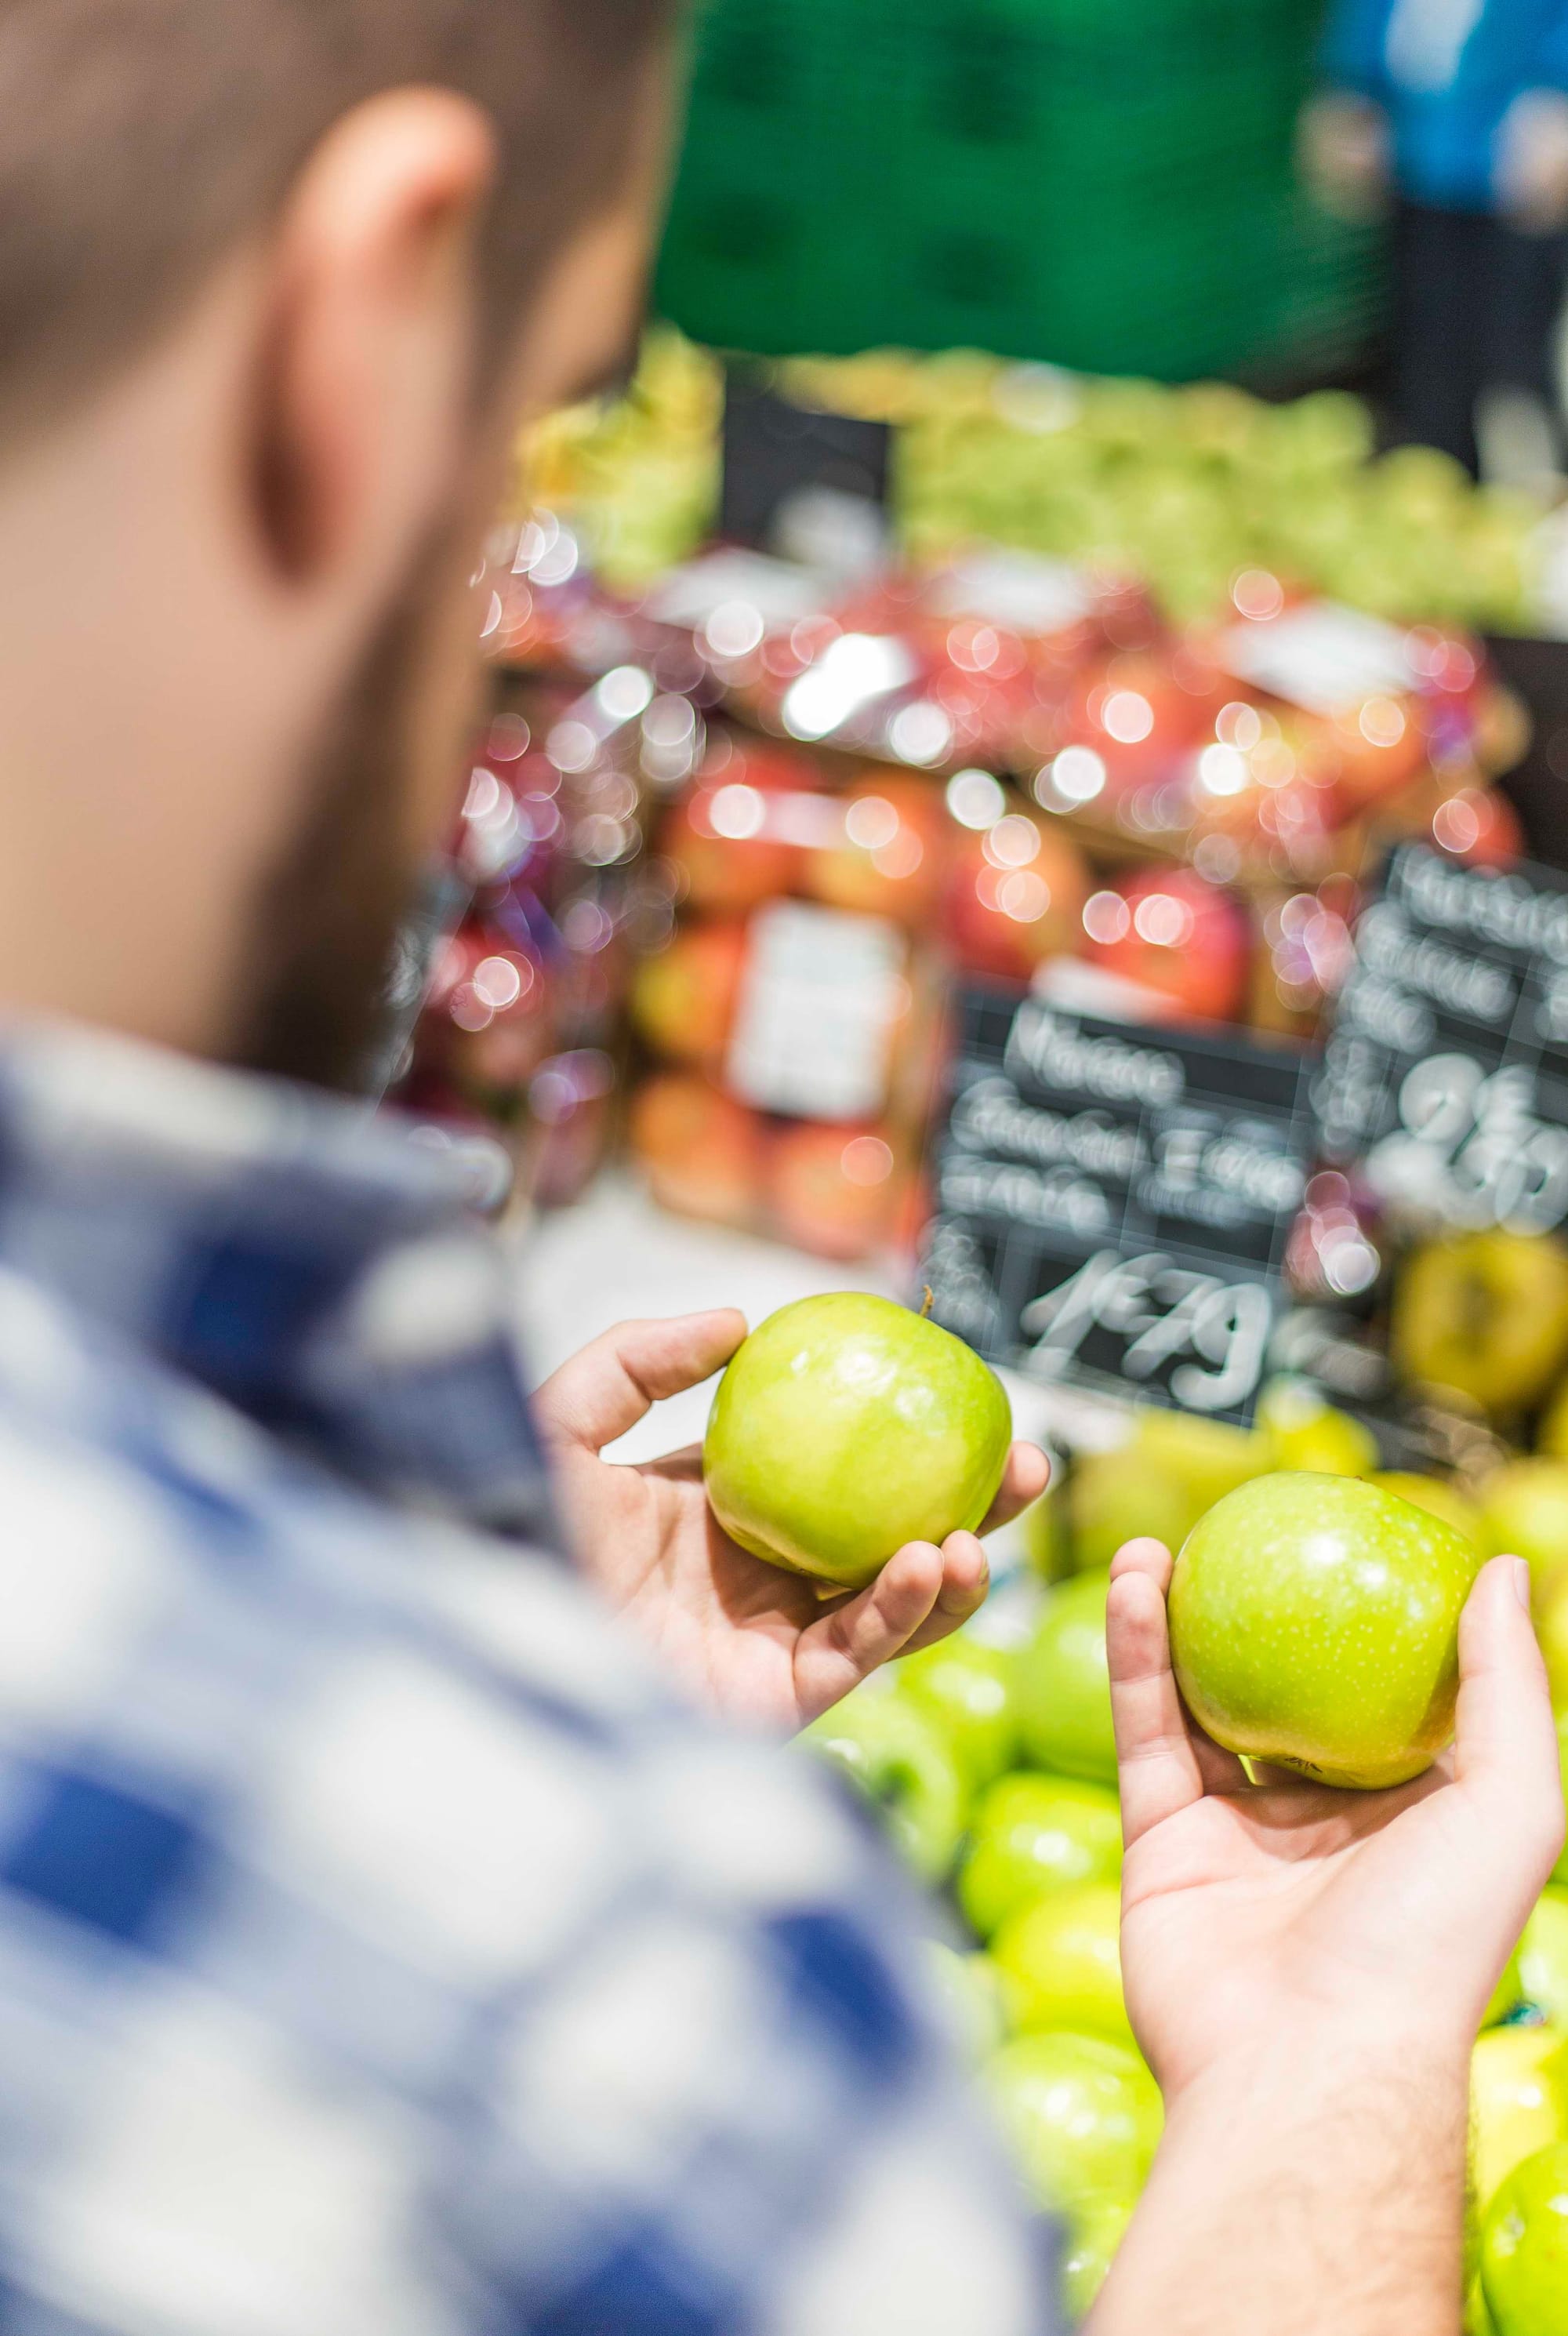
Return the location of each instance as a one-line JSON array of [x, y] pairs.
[[846, 1427], [1518, 2102], [1083, 2115], [1524, 2248], [1061, 1962], [1314, 1624], [1064, 1684], [901, 1761], [1031, 1835], [970, 1689], [1524, 1513], [1543, 1957]]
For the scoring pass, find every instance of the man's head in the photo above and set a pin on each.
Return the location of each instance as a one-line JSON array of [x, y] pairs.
[[277, 279]]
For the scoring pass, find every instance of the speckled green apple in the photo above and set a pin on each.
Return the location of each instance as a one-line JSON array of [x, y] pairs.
[[1033, 1834], [1518, 2102], [1314, 1623], [1524, 2248], [904, 1764], [1543, 1957], [1061, 1964], [1092, 2238], [846, 1427], [1064, 1684], [969, 1688], [1524, 1513], [1084, 2116]]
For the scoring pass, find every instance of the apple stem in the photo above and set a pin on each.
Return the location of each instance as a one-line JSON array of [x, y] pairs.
[[931, 1299]]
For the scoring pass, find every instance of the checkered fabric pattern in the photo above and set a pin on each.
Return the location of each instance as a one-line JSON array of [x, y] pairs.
[[382, 1952]]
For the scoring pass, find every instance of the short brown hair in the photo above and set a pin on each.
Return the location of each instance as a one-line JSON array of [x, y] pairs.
[[143, 139]]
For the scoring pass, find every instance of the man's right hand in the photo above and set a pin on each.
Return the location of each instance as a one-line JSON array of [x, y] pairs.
[[1306, 1970], [1252, 1911]]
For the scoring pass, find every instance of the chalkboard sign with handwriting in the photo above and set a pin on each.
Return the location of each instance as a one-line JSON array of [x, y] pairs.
[[1113, 1200], [1446, 1076]]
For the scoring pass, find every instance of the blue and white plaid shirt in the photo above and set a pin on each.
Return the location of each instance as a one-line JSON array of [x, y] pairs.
[[383, 1952]]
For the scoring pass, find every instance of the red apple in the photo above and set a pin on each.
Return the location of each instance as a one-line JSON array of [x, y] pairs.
[[489, 1016], [1015, 897], [833, 1190], [723, 837], [1376, 749], [1140, 713], [1479, 826], [1170, 932], [683, 1000], [897, 838], [702, 1153]]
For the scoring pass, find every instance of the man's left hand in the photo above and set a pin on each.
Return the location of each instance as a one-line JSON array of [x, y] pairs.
[[755, 1642]]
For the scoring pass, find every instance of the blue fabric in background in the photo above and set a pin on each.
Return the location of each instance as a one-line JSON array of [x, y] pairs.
[[1446, 72]]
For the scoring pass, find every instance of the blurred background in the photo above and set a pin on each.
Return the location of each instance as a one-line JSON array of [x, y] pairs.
[[1028, 757], [1016, 558]]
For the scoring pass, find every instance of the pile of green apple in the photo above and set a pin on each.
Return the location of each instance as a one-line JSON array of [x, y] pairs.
[[992, 1759], [1181, 487]]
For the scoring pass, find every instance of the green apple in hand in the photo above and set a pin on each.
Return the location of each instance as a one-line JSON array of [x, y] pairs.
[[1060, 1959], [969, 1688], [1083, 2115], [1543, 1957], [1064, 1684], [846, 1427], [1524, 2248], [1518, 2102], [1031, 1835], [1524, 1513], [1314, 1624], [904, 1765]]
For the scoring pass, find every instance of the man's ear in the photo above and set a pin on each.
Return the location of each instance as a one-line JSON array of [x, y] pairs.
[[363, 375]]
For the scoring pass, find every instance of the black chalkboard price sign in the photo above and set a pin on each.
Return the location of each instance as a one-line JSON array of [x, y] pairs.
[[1446, 1076], [1113, 1200]]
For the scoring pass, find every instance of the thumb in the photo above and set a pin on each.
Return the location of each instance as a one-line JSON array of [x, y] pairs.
[[1505, 1745], [612, 1383]]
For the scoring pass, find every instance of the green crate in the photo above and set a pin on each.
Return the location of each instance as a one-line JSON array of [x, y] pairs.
[[1103, 183]]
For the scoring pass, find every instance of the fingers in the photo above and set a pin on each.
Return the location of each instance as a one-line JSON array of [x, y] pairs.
[[1165, 1766], [1505, 1745], [966, 1586], [1027, 1473], [612, 1383], [855, 1638]]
